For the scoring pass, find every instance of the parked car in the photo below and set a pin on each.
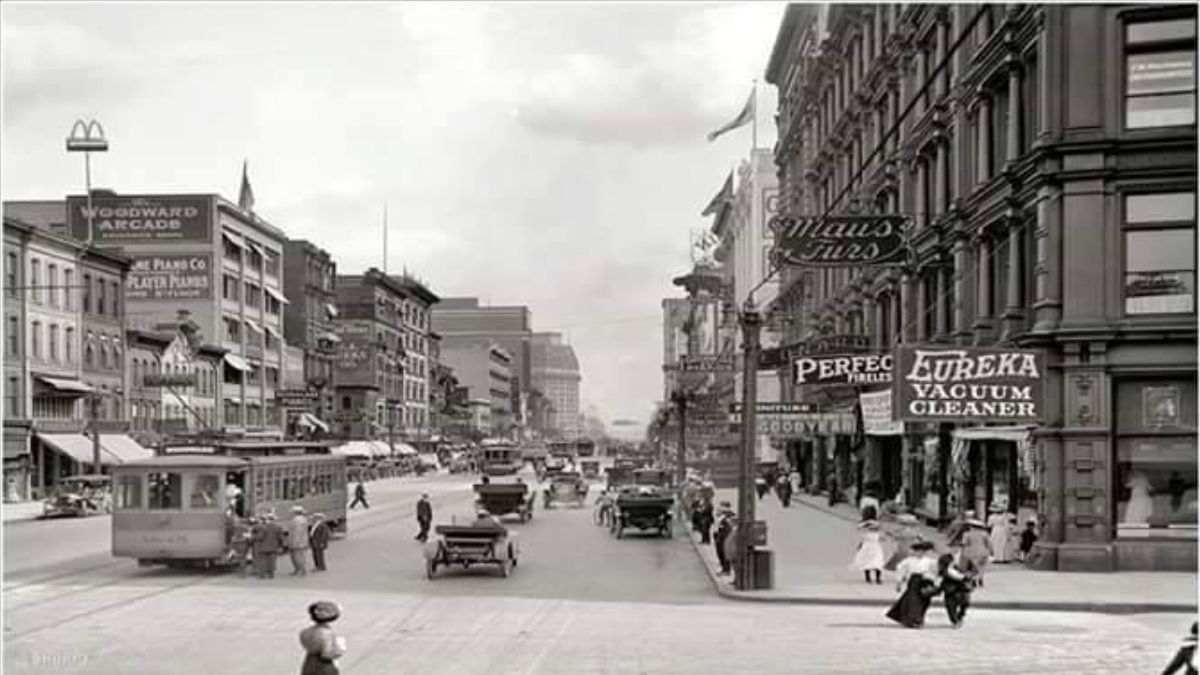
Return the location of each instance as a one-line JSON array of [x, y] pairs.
[[82, 495], [428, 462]]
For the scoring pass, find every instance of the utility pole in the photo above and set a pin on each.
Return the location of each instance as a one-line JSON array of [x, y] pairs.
[[94, 400], [751, 322], [680, 398]]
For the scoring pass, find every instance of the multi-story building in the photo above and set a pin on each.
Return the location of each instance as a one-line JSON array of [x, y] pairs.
[[144, 405], [463, 319], [485, 369], [415, 326], [370, 359], [58, 381], [1049, 178], [554, 370], [310, 277]]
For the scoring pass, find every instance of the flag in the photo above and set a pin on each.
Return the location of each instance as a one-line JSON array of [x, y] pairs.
[[246, 194], [721, 198], [745, 117]]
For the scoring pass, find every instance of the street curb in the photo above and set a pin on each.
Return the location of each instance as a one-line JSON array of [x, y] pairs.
[[723, 590]]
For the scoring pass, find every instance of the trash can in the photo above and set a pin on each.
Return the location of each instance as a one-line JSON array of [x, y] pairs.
[[764, 568]]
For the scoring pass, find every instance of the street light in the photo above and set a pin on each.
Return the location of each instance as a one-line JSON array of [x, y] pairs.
[[87, 137], [751, 322]]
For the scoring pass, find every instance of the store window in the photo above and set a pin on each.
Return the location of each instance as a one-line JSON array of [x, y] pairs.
[[1156, 487], [1160, 72], [1160, 253]]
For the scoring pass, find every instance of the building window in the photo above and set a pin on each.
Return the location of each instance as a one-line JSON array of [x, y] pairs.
[[346, 403], [36, 339], [68, 288], [89, 354], [1160, 72], [116, 299], [35, 279], [230, 287], [87, 294], [52, 284], [53, 351], [233, 332], [99, 296], [232, 251], [14, 339], [1160, 253], [12, 397], [10, 274], [999, 135], [253, 295]]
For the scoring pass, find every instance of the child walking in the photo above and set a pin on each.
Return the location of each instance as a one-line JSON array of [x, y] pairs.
[[869, 556], [956, 588]]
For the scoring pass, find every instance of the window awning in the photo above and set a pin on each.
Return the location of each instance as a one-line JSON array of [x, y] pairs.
[[331, 311], [312, 421], [361, 449], [66, 386], [78, 447], [254, 326], [276, 294], [237, 362], [273, 331], [332, 337], [1016, 434], [381, 448], [123, 447], [406, 449], [235, 239]]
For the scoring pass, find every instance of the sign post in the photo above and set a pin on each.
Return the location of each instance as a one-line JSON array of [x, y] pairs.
[[751, 322]]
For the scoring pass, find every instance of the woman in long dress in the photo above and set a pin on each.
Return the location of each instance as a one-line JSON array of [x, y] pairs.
[[869, 556], [976, 548], [999, 532], [322, 647], [918, 579]]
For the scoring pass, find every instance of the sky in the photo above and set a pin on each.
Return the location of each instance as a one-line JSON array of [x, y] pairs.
[[547, 155]]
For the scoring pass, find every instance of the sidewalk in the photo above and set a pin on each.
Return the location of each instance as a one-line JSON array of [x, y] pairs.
[[20, 511], [814, 544]]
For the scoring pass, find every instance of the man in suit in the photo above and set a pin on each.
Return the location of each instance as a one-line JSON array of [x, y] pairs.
[[424, 516], [318, 540], [269, 542]]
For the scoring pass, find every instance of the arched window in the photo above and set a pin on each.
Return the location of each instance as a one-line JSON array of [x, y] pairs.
[[89, 355]]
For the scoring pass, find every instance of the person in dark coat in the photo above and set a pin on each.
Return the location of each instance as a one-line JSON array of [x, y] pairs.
[[318, 540], [1185, 657], [918, 581], [322, 647], [360, 496], [706, 521], [956, 586], [243, 534], [724, 529], [269, 540], [783, 488], [424, 517]]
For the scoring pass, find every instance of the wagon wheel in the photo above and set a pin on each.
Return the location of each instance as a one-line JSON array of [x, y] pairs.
[[431, 568]]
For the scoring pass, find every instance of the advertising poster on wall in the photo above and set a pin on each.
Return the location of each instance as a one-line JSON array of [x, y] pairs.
[[141, 219], [355, 352], [968, 384], [877, 419], [170, 277]]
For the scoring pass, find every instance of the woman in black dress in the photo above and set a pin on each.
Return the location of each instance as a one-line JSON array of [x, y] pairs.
[[917, 577]]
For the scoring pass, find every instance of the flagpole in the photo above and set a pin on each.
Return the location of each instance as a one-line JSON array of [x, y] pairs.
[[754, 119]]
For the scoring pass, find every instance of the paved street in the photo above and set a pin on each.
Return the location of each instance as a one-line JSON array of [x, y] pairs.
[[580, 602]]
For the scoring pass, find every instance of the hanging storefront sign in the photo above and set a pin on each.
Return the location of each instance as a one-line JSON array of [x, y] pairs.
[[968, 384], [840, 240], [835, 344], [877, 414], [141, 219], [170, 277], [844, 369]]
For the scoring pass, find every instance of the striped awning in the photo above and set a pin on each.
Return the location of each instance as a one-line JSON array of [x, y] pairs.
[[66, 386], [78, 447], [124, 447], [276, 294], [237, 362], [273, 331], [235, 239], [254, 325]]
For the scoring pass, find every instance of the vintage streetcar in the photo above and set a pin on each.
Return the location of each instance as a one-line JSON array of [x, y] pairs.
[[177, 509]]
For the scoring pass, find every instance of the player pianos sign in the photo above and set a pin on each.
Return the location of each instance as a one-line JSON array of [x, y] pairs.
[[968, 384], [840, 240]]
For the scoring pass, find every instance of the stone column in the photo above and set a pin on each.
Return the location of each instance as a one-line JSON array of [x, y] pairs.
[[922, 66], [877, 324], [964, 290], [958, 156], [1048, 267], [941, 316], [941, 167], [894, 313], [923, 309], [877, 46], [983, 148], [943, 44], [1014, 305], [983, 298], [908, 306], [1013, 144], [920, 204]]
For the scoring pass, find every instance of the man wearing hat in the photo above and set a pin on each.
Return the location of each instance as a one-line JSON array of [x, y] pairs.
[[268, 543], [318, 540], [976, 548], [297, 541], [724, 529], [322, 647], [424, 516]]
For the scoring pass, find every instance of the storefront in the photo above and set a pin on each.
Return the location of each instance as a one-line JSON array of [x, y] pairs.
[[17, 462], [994, 468]]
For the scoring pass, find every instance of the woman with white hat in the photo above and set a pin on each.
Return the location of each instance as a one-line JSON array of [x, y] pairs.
[[999, 533], [976, 547]]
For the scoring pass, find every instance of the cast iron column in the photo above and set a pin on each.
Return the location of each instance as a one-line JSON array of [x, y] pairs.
[[751, 327], [95, 410]]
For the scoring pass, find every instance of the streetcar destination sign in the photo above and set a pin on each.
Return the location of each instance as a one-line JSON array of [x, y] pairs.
[[968, 384]]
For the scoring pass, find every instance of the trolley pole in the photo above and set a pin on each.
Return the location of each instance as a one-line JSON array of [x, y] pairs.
[[751, 322]]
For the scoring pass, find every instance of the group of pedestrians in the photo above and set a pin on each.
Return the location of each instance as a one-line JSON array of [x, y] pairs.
[[257, 542]]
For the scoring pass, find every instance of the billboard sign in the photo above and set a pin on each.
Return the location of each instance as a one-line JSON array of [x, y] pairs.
[[968, 384], [840, 240], [844, 369], [170, 277], [354, 359], [877, 419], [141, 219]]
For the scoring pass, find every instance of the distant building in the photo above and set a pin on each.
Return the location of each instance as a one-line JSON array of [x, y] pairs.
[[310, 280], [484, 368], [554, 370]]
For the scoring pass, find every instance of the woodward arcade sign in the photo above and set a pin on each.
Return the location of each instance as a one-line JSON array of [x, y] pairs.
[[844, 369], [968, 384], [838, 241], [128, 219]]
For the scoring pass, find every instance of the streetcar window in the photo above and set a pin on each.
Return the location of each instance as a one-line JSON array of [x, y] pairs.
[[260, 488], [165, 490], [277, 480], [204, 491], [129, 493]]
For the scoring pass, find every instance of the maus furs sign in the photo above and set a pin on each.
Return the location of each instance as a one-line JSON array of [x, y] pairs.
[[968, 384], [840, 240]]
